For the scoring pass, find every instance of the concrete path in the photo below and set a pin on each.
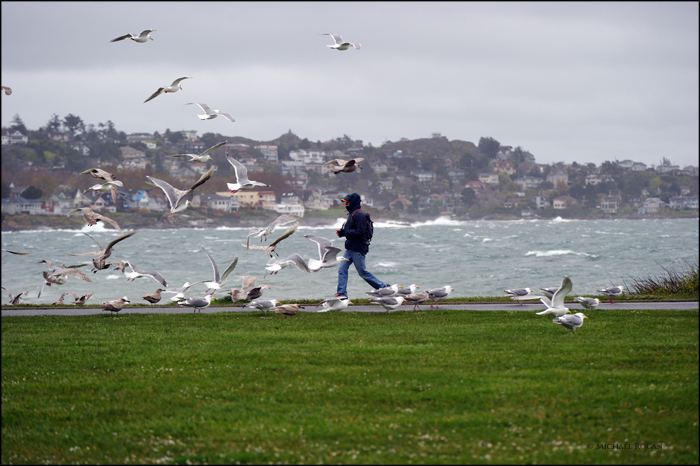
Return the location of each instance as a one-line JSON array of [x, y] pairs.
[[91, 309]]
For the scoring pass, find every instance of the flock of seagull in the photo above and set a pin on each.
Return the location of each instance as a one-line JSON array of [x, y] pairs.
[[389, 298], [178, 200], [553, 299]]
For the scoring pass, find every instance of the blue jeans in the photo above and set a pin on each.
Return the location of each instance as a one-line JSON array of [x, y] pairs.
[[358, 259]]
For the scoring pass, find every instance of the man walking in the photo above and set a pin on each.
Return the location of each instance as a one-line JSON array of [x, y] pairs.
[[357, 230]]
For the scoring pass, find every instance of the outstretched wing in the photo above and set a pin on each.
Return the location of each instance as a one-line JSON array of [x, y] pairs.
[[104, 219], [322, 244], [108, 250], [202, 179], [125, 36], [214, 147], [154, 95], [229, 269], [239, 169], [560, 294], [172, 194], [215, 268], [178, 80]]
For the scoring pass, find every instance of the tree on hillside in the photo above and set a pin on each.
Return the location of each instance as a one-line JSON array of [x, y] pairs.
[[54, 125], [74, 124], [489, 147], [32, 192], [18, 125]]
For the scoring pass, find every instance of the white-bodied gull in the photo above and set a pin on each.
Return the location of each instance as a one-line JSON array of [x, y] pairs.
[[556, 306], [179, 199], [241, 173], [588, 303], [145, 36], [339, 43], [570, 321], [174, 87], [211, 113], [202, 156]]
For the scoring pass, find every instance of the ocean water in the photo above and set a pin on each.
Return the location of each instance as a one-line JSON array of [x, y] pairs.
[[477, 258]]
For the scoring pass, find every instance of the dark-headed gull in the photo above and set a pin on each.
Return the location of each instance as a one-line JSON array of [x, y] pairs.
[[7, 90], [210, 113], [174, 87], [556, 306], [339, 43], [145, 36]]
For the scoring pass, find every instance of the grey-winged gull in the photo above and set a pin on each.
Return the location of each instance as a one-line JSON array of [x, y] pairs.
[[174, 87], [211, 113], [145, 36], [570, 321], [115, 305], [179, 199], [339, 43], [588, 303], [241, 174], [203, 156]]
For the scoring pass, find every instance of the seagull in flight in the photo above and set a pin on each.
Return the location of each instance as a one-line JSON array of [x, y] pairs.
[[241, 173], [284, 220], [109, 186], [327, 254], [174, 87], [177, 196], [134, 274], [339, 43], [92, 217], [202, 156], [344, 166], [271, 248], [99, 174], [556, 306], [209, 113], [218, 280], [145, 36], [100, 261]]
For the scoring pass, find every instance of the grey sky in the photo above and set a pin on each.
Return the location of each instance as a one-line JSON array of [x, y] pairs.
[[584, 82]]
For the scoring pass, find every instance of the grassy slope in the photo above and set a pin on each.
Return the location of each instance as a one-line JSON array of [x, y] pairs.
[[423, 387]]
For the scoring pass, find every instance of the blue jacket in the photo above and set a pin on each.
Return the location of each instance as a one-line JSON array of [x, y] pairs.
[[354, 227]]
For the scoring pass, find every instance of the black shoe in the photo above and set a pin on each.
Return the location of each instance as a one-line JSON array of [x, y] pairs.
[[340, 296]]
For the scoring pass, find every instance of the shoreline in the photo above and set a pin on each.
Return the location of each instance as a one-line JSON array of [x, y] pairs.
[[256, 218]]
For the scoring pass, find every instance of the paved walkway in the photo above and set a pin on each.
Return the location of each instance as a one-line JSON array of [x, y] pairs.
[[8, 311]]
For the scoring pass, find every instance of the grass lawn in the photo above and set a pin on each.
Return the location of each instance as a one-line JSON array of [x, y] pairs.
[[406, 387]]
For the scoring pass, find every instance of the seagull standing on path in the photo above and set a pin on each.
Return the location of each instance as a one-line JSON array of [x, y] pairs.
[[334, 304], [588, 303], [339, 43], [210, 113], [388, 302], [174, 87], [116, 305], [612, 291], [439, 293], [198, 302], [556, 306], [145, 36]]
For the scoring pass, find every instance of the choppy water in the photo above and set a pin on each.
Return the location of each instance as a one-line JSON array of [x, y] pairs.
[[478, 258]]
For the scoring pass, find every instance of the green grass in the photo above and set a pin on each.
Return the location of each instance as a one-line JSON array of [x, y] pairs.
[[406, 387]]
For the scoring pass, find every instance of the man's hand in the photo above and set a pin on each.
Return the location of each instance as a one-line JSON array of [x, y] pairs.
[[337, 232]]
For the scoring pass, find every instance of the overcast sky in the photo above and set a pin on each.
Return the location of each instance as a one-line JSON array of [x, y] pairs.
[[584, 82]]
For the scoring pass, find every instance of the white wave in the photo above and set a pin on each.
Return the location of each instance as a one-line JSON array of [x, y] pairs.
[[440, 221], [112, 277], [486, 240], [233, 228], [562, 220], [558, 252], [386, 264]]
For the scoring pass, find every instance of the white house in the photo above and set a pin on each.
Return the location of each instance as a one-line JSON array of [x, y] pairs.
[[490, 179], [651, 205], [269, 152]]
